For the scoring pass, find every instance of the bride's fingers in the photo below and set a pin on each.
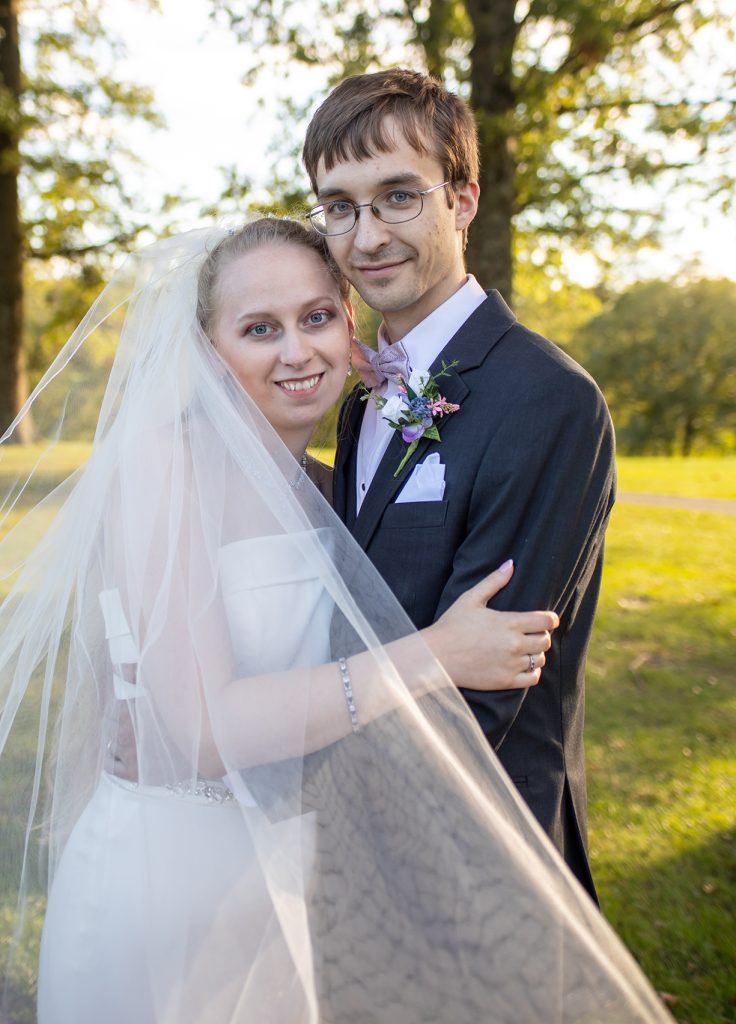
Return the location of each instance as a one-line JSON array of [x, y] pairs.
[[489, 586], [528, 622], [537, 622], [526, 678], [535, 643], [532, 663]]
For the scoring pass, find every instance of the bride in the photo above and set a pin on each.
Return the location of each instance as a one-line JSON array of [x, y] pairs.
[[250, 788]]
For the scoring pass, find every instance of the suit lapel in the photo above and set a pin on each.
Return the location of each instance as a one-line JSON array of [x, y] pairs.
[[480, 333], [469, 346]]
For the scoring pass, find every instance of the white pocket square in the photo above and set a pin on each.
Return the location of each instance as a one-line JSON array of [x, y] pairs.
[[426, 483]]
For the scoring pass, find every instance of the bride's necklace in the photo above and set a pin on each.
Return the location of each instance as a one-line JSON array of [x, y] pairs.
[[297, 483]]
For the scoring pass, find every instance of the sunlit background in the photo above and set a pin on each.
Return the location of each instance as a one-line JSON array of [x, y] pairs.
[[196, 66], [136, 118]]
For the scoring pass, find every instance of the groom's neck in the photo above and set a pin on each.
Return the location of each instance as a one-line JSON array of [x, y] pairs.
[[398, 323]]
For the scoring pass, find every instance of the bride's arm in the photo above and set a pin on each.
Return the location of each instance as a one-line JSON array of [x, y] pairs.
[[226, 724], [303, 710], [166, 573]]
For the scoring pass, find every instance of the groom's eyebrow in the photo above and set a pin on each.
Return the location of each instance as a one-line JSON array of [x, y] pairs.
[[404, 178]]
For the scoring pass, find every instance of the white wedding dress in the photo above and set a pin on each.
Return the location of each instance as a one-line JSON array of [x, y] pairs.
[[169, 903]]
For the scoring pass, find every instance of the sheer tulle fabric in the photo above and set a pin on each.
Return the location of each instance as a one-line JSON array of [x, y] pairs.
[[181, 597]]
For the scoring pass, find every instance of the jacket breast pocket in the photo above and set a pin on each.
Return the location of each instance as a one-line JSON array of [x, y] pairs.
[[414, 514]]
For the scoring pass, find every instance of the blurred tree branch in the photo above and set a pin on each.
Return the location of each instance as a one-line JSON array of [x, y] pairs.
[[576, 101]]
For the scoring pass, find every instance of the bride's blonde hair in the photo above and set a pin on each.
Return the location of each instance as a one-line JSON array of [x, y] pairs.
[[252, 236]]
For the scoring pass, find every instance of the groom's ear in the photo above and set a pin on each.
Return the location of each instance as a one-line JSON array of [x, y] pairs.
[[466, 204]]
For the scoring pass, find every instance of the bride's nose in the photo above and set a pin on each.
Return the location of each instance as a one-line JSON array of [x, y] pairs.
[[297, 348]]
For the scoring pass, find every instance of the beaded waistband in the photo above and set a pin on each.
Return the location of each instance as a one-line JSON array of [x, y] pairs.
[[211, 791]]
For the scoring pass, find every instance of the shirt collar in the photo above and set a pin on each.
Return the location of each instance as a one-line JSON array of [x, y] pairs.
[[424, 342]]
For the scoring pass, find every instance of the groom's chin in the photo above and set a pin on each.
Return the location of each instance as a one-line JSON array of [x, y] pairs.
[[387, 296]]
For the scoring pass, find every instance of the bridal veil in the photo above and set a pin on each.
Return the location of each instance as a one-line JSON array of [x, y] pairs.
[[173, 602]]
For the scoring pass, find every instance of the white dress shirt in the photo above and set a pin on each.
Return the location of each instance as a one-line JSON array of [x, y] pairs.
[[422, 344]]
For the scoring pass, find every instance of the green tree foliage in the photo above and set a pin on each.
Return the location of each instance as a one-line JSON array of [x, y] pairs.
[[576, 100], [553, 306], [63, 195], [72, 105], [665, 356], [53, 306]]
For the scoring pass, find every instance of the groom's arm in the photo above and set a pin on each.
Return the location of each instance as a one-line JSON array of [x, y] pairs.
[[542, 496]]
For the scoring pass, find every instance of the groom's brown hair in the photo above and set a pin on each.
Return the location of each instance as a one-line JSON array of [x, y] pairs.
[[351, 123]]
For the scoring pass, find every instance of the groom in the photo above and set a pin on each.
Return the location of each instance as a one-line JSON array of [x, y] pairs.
[[524, 468]]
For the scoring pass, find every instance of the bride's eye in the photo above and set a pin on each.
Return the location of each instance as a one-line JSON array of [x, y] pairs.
[[319, 317], [259, 330]]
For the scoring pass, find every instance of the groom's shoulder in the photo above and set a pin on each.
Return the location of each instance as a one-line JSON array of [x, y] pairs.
[[549, 355], [522, 351]]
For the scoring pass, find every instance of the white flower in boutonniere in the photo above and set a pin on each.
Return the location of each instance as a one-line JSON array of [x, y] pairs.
[[392, 408], [417, 410]]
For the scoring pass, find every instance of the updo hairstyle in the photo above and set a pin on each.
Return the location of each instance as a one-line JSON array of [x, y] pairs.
[[252, 236]]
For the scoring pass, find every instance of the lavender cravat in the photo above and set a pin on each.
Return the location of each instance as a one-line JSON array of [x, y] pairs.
[[377, 367]]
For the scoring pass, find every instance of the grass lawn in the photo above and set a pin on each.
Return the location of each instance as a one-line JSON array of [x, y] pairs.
[[661, 721], [680, 477], [660, 730]]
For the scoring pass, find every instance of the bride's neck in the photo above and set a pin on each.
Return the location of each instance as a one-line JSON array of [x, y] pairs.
[[296, 442]]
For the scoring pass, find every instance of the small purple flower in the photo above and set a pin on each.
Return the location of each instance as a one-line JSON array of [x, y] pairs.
[[412, 432]]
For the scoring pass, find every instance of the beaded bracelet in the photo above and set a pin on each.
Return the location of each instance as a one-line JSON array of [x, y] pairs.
[[347, 687]]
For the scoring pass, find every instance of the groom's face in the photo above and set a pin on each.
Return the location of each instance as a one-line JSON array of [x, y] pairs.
[[403, 270]]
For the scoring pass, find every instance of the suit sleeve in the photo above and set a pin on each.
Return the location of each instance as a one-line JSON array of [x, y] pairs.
[[542, 496]]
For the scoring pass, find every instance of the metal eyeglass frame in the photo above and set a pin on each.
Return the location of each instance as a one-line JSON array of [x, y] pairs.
[[357, 207]]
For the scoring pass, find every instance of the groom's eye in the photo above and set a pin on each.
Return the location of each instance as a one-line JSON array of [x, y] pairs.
[[400, 197], [340, 208]]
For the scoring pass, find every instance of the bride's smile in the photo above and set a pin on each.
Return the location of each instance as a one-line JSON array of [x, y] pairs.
[[301, 386]]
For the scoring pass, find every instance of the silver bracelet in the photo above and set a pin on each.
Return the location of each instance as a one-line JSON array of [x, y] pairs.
[[346, 685]]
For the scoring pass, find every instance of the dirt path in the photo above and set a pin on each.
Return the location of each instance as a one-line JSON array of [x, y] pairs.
[[726, 505]]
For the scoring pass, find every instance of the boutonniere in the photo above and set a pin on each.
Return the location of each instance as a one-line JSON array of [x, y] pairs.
[[417, 410]]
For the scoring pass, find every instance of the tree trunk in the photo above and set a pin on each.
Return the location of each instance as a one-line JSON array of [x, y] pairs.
[[492, 98], [433, 35], [12, 363]]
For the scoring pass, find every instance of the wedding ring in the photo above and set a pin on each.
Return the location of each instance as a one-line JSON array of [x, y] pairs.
[[531, 662]]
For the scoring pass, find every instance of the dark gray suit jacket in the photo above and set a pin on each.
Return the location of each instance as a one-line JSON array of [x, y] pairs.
[[530, 475]]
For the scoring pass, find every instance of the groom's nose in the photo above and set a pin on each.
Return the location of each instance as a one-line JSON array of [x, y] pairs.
[[370, 233]]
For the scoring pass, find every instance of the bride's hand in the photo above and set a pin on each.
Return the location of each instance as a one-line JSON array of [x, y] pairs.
[[481, 649]]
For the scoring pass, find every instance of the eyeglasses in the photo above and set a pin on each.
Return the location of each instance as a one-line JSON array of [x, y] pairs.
[[394, 206]]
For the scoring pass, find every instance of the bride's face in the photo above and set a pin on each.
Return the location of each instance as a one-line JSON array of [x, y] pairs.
[[283, 329]]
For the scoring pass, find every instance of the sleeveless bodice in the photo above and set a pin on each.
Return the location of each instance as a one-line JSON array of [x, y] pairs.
[[277, 608]]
